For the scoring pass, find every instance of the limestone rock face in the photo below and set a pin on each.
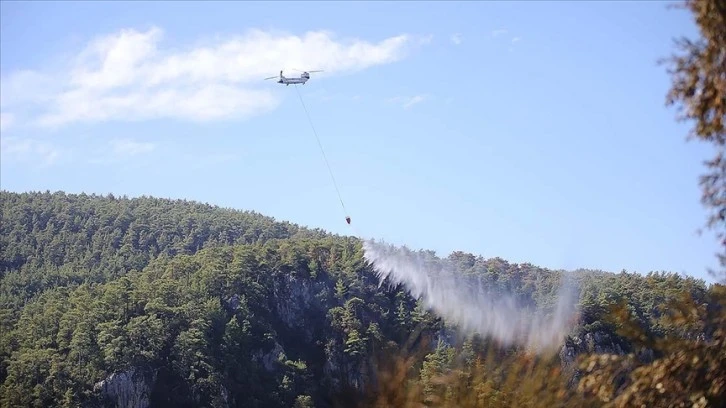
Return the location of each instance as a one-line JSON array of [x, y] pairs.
[[596, 342], [295, 303], [126, 389]]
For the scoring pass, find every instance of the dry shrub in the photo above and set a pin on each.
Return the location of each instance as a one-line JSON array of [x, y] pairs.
[[497, 377], [687, 369], [690, 368]]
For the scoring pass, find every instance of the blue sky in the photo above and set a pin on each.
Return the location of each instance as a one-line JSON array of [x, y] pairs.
[[532, 131]]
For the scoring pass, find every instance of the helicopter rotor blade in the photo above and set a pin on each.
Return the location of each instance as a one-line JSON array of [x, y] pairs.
[[272, 77], [295, 69]]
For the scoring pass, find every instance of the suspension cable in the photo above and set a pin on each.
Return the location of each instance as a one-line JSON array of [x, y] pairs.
[[335, 184]]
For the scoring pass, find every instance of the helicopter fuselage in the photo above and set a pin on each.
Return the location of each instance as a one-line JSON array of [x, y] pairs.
[[304, 77], [288, 81]]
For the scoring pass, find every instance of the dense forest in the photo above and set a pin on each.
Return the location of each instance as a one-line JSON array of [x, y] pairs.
[[144, 301]]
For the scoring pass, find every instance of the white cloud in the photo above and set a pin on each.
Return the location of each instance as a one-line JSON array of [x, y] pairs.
[[456, 38], [126, 147], [29, 150], [408, 101], [130, 75]]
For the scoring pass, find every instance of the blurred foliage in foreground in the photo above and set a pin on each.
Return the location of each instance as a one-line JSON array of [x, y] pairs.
[[685, 368]]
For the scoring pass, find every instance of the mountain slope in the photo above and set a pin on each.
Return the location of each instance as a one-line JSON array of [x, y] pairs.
[[177, 303]]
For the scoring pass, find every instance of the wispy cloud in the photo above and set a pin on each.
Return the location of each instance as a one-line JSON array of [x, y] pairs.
[[6, 120], [38, 152], [456, 39], [498, 32], [321, 94], [126, 147], [120, 151], [324, 95], [408, 101], [514, 41], [130, 75], [425, 40]]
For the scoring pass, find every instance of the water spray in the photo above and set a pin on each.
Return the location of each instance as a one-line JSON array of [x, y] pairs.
[[473, 306]]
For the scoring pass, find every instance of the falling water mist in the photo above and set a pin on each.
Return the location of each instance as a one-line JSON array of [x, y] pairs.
[[472, 306]]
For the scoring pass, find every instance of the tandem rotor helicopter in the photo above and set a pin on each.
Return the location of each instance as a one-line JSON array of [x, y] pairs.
[[304, 77]]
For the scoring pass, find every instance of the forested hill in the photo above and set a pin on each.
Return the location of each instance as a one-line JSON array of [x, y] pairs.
[[177, 303], [57, 228]]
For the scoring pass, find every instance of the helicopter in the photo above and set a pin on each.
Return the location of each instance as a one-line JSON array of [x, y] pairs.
[[304, 77]]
